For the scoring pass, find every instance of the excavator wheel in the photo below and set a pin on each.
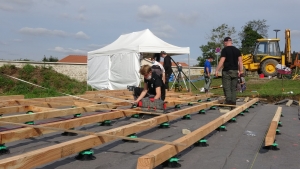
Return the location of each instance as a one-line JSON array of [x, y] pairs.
[[268, 67]]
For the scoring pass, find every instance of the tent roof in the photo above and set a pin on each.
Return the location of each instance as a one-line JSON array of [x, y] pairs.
[[144, 42]]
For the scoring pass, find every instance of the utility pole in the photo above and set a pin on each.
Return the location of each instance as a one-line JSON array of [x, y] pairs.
[[276, 30]]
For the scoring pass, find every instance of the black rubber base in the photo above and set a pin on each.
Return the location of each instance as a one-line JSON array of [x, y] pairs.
[[85, 157], [171, 164], [199, 144], [4, 151], [221, 129], [130, 141], [271, 148], [105, 124], [68, 134]]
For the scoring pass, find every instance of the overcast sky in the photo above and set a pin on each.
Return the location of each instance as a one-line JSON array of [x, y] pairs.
[[31, 29]]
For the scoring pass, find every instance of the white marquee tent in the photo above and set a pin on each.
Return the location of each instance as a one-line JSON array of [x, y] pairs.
[[117, 65]]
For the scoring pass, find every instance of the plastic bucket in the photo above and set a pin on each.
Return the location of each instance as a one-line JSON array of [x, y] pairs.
[[261, 76]]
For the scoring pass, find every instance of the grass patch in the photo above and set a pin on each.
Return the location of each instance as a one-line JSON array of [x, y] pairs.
[[46, 77]]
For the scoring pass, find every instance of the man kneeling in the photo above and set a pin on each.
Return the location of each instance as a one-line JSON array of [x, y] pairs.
[[153, 85]]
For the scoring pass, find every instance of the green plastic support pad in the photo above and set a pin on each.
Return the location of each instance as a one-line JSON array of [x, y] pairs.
[[213, 108], [222, 127], [87, 152], [77, 115], [165, 124], [246, 110], [199, 101], [105, 122], [73, 106], [133, 106], [135, 116], [255, 103], [188, 116], [251, 106], [190, 104], [202, 111], [233, 119], [241, 113], [30, 122], [177, 106], [275, 144], [281, 114], [29, 112], [3, 147], [132, 136], [202, 141], [173, 159], [208, 99], [277, 131]]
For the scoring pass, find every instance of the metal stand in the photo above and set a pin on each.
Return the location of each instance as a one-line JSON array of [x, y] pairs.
[[188, 79], [177, 77]]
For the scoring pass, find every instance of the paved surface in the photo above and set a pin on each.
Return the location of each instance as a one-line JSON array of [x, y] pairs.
[[238, 148]]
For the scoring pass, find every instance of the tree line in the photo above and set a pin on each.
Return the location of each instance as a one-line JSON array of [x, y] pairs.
[[250, 32]]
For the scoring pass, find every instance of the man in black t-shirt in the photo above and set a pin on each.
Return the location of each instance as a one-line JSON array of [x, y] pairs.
[[153, 85], [168, 68], [231, 59]]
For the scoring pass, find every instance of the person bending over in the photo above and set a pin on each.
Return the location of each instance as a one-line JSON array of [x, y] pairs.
[[153, 85]]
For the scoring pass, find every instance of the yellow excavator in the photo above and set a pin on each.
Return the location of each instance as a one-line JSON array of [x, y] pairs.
[[267, 55]]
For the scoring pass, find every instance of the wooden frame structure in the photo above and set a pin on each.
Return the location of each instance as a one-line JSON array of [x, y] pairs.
[[47, 108], [271, 134]]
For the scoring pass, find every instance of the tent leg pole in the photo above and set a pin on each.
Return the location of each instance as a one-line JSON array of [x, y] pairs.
[[189, 73]]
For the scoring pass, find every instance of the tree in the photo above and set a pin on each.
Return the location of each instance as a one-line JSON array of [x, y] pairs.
[[216, 40], [251, 31], [50, 59], [249, 40]]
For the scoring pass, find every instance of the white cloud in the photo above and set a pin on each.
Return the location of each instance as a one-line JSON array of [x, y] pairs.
[[82, 9], [15, 5], [189, 19], [3, 43], [68, 50], [148, 12], [47, 32], [164, 31], [17, 40], [81, 35]]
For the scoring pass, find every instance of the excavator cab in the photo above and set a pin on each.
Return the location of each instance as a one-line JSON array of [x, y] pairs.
[[267, 53]]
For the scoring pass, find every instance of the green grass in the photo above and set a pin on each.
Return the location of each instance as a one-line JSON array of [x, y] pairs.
[[55, 83], [272, 89]]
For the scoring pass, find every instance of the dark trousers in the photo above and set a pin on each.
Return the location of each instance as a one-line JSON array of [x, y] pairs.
[[229, 82], [167, 80]]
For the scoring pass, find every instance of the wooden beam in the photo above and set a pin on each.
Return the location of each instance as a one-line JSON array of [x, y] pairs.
[[13, 109], [270, 137], [55, 152], [52, 113], [289, 103], [92, 133], [162, 154], [11, 97], [19, 109]]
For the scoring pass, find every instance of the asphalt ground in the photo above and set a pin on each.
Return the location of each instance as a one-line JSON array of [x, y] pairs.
[[239, 147]]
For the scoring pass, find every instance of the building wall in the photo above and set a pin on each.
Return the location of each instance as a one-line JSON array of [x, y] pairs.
[[78, 71]]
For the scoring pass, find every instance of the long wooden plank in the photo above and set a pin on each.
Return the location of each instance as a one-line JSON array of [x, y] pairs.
[[162, 154], [18, 109], [55, 152], [271, 134], [22, 133], [93, 133], [18, 134], [52, 113], [11, 97]]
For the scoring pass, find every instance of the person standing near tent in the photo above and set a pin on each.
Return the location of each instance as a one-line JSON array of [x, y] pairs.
[[207, 73], [231, 59], [153, 85], [167, 67], [158, 68]]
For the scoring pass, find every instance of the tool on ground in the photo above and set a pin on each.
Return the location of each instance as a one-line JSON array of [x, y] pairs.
[[96, 134]]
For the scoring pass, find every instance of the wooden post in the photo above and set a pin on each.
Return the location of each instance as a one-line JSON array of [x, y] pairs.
[[270, 137]]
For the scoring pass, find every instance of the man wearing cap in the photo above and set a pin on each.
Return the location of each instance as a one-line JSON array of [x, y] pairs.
[[207, 73], [231, 61], [168, 68]]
